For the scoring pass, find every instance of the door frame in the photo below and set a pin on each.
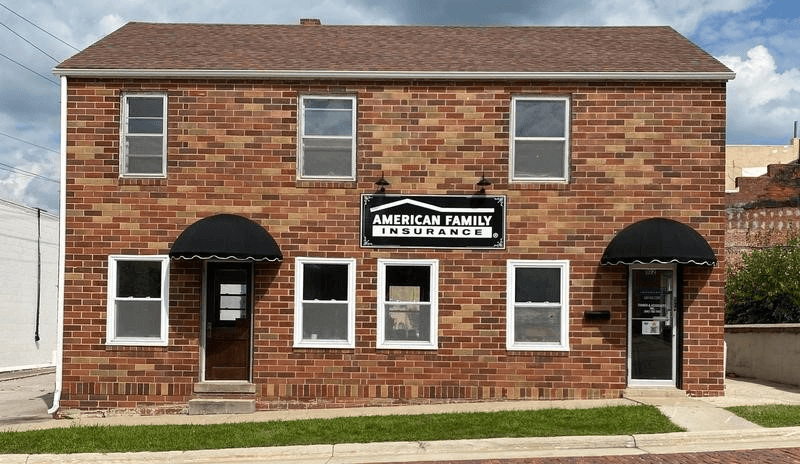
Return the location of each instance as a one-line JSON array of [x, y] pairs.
[[676, 326], [204, 320]]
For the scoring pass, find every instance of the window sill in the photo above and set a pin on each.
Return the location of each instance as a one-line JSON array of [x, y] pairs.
[[537, 183], [136, 343], [406, 346], [142, 180], [537, 347], [328, 344], [326, 183], [143, 176]]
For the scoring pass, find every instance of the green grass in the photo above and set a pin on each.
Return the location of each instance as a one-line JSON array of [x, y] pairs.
[[615, 420], [770, 415]]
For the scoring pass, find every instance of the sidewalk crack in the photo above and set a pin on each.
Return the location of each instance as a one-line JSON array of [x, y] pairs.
[[333, 453]]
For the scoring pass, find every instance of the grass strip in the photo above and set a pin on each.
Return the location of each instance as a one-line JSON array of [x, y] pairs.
[[613, 420], [769, 415]]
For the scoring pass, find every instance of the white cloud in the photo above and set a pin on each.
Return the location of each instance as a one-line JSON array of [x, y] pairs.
[[110, 23], [28, 190], [683, 15], [762, 102], [13, 188], [758, 75]]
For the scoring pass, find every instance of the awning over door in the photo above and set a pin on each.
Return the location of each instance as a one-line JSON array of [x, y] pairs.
[[658, 240], [227, 237]]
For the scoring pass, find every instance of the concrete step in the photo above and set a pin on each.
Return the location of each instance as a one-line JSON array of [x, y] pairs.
[[639, 393], [225, 387], [199, 406]]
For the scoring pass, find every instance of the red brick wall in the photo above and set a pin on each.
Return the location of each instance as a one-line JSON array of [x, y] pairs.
[[763, 213], [638, 150]]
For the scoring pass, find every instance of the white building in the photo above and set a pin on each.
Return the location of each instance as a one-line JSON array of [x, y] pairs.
[[28, 287]]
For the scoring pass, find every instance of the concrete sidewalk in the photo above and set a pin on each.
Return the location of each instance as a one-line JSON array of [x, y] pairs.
[[709, 428]]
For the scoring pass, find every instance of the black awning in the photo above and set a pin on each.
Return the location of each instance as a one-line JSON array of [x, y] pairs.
[[226, 236], [658, 240]]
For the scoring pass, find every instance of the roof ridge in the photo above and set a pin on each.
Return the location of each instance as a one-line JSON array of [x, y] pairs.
[[399, 26]]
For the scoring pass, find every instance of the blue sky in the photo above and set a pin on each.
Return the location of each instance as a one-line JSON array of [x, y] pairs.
[[758, 39]]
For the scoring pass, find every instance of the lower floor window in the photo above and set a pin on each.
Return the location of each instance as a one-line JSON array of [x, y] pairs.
[[538, 305], [325, 293], [137, 300], [407, 304]]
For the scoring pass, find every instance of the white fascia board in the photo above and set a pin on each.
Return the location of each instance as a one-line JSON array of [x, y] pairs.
[[404, 75]]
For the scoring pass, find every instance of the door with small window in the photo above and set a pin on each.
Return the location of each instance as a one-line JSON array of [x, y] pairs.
[[228, 321]]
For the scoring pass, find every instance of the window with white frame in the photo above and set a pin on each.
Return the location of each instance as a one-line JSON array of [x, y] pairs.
[[407, 304], [537, 314], [539, 139], [143, 145], [325, 294], [138, 304], [327, 148]]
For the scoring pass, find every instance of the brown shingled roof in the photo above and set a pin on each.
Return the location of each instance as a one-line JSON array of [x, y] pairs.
[[215, 47]]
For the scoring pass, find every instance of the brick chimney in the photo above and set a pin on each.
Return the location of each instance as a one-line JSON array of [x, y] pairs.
[[310, 22]]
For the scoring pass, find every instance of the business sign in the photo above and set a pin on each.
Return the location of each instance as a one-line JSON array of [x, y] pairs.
[[433, 221]]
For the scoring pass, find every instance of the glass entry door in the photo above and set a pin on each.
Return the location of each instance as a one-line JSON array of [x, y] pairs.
[[651, 326]]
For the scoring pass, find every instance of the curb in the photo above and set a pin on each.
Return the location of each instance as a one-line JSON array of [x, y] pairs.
[[495, 448], [724, 440], [25, 373]]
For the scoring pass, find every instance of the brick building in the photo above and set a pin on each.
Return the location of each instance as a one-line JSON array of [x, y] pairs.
[[318, 215], [764, 212], [742, 161]]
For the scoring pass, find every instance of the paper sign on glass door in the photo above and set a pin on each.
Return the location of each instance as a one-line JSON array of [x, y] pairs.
[[651, 327]]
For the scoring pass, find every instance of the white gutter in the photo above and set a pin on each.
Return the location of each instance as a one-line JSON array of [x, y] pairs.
[[401, 75], [62, 228]]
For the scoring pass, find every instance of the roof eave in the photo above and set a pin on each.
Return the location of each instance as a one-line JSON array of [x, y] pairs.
[[438, 75]]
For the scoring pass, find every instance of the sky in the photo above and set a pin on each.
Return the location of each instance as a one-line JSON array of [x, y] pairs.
[[758, 39]]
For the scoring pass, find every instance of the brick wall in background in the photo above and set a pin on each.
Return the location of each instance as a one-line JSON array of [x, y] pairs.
[[638, 150], [764, 212]]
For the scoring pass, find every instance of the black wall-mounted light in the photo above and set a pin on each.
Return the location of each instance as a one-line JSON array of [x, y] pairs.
[[382, 183], [483, 183]]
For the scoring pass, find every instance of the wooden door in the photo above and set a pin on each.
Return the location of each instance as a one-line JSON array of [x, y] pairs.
[[228, 321]]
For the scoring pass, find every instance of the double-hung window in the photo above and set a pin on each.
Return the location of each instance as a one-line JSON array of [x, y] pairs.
[[539, 139], [137, 300], [537, 312], [143, 144], [325, 293], [327, 138], [407, 304]]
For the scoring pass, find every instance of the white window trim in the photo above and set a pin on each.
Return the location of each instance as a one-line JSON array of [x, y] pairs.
[[299, 341], [123, 145], [513, 138], [111, 313], [431, 344], [301, 131], [513, 345]]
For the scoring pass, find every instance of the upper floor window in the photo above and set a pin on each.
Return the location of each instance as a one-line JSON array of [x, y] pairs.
[[539, 139], [325, 302], [537, 312], [143, 147], [137, 300], [327, 137], [407, 304]]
